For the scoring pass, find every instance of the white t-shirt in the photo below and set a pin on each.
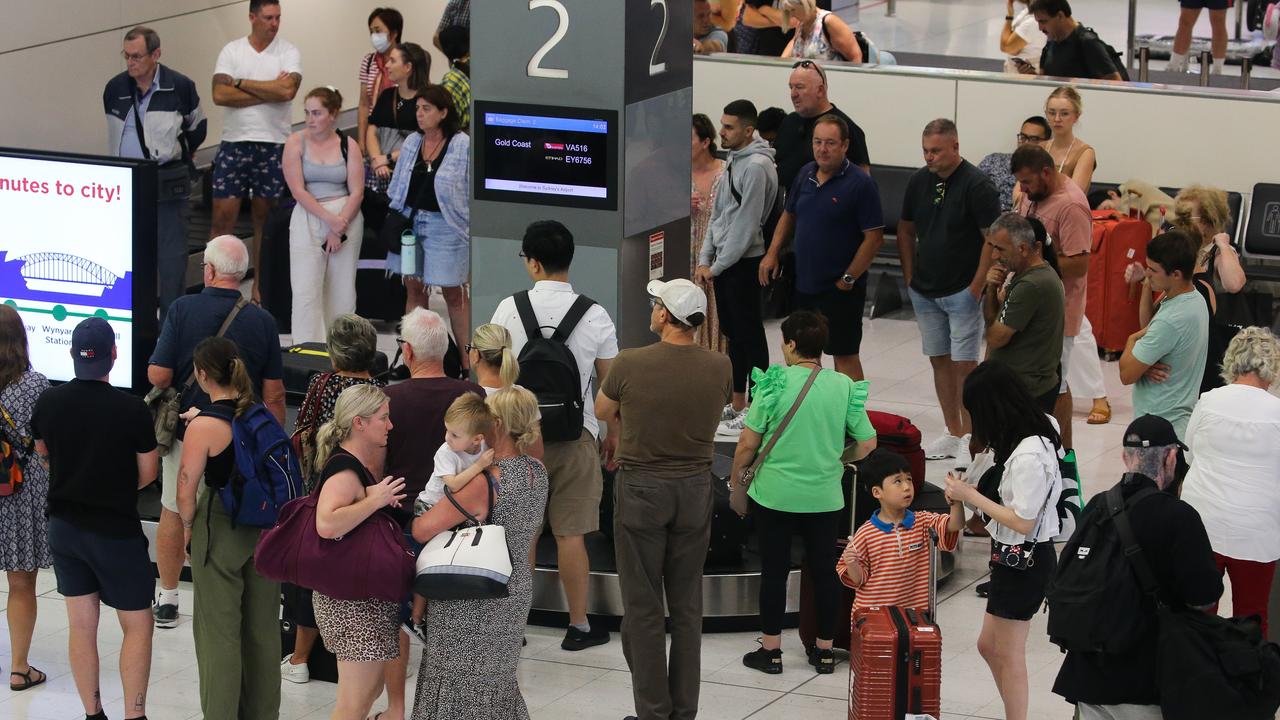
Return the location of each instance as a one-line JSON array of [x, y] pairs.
[[447, 462], [1025, 27], [595, 337], [1234, 436], [268, 122], [1030, 486]]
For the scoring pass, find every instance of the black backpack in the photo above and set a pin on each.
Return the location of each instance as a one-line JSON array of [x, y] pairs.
[[549, 370], [1096, 603], [1087, 34]]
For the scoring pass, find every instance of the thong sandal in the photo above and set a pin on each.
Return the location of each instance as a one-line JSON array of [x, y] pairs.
[[27, 682], [1100, 415]]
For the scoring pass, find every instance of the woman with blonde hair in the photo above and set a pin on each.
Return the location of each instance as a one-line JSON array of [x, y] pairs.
[[455, 681], [1073, 157], [363, 634], [819, 34], [238, 611], [1203, 213], [1234, 438], [491, 355]]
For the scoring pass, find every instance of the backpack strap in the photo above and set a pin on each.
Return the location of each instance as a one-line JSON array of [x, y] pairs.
[[527, 317], [571, 318], [1118, 509]]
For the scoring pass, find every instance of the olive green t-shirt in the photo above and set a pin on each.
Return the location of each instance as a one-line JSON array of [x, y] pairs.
[[671, 398], [802, 472], [1034, 308]]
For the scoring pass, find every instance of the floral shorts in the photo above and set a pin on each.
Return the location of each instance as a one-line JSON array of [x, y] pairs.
[[244, 168]]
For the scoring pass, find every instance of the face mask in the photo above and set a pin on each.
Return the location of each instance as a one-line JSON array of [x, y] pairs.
[[380, 42]]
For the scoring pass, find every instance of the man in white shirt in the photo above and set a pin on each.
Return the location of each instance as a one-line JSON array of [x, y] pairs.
[[255, 78], [573, 505]]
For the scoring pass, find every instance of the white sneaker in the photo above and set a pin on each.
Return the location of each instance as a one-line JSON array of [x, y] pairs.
[[963, 458], [734, 426], [943, 447], [294, 673], [728, 413]]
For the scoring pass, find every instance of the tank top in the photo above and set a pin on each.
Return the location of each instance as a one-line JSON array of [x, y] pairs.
[[324, 181], [815, 45], [218, 468]]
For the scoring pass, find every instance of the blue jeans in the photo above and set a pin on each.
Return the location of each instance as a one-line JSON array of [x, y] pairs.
[[949, 325]]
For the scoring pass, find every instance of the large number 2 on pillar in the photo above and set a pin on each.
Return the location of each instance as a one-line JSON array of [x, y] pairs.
[[535, 68]]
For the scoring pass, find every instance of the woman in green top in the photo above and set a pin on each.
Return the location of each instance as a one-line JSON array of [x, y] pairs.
[[797, 489]]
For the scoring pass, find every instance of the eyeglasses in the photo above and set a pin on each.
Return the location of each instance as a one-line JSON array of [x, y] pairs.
[[523, 256], [138, 57], [1023, 138], [654, 302], [811, 64], [469, 347], [939, 193], [401, 341]]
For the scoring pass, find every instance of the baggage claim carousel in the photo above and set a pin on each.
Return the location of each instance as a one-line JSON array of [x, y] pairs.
[[730, 583]]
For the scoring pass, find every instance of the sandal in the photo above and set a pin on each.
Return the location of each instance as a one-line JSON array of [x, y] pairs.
[[1100, 414], [27, 682]]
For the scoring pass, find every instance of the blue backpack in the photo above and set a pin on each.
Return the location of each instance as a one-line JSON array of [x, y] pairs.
[[266, 474]]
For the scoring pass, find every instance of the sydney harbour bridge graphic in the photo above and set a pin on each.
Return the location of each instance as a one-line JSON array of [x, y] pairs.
[[65, 273], [44, 275]]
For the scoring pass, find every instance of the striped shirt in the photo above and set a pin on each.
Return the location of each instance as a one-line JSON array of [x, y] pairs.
[[371, 71], [895, 559]]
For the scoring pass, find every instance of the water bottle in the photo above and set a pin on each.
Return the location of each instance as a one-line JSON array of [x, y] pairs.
[[408, 252]]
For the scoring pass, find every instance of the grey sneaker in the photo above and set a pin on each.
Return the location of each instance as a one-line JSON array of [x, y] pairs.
[[728, 413], [166, 615]]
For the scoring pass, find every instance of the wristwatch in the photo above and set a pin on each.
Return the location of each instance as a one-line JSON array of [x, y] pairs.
[[847, 279]]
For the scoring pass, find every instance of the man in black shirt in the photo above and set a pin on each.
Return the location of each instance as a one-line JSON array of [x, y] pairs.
[[947, 206], [101, 450], [794, 144], [1175, 544], [1072, 50]]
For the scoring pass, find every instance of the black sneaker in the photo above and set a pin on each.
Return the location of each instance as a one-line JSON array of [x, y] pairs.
[[983, 589], [766, 661], [823, 660], [575, 639], [166, 615]]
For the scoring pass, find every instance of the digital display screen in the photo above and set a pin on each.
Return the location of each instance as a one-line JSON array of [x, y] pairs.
[[545, 155], [67, 239]]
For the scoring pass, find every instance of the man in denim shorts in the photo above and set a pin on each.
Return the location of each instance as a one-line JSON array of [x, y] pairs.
[[255, 78], [947, 206]]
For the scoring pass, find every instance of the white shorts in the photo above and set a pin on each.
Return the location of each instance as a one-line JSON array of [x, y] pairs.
[[1067, 344]]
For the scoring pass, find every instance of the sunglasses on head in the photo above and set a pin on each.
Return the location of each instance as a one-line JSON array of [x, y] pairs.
[[811, 64]]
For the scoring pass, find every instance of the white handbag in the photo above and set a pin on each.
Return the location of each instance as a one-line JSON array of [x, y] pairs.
[[469, 562]]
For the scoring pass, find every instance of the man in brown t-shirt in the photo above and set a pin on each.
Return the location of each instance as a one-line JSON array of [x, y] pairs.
[[664, 402]]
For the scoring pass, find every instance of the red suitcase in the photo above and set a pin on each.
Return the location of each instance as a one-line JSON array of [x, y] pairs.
[[1110, 303], [895, 663], [896, 433]]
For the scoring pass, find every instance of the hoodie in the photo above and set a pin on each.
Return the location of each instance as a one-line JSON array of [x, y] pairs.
[[734, 231]]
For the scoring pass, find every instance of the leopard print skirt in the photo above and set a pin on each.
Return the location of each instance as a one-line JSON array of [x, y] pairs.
[[358, 630]]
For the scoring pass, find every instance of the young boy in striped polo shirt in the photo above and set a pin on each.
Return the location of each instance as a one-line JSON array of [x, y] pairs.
[[887, 559]]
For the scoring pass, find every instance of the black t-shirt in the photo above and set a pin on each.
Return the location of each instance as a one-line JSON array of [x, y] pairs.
[[794, 147], [1175, 543], [1081, 55], [341, 461], [93, 433], [950, 216], [391, 110]]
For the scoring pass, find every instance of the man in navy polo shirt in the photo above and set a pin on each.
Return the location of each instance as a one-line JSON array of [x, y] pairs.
[[833, 210], [192, 318]]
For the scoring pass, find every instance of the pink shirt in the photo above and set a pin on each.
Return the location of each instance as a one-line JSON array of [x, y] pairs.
[[1069, 222]]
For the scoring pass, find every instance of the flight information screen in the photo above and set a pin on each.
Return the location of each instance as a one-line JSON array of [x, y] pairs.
[[545, 155]]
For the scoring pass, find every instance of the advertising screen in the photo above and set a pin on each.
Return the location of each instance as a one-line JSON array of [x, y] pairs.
[[546, 155], [69, 226]]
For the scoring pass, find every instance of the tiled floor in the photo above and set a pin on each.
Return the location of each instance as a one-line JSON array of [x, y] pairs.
[[594, 683]]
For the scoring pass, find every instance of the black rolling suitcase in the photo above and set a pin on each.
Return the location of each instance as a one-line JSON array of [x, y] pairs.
[[321, 664], [303, 361], [728, 531]]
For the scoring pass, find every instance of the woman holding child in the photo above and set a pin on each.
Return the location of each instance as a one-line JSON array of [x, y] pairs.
[[1019, 498], [456, 680], [797, 487]]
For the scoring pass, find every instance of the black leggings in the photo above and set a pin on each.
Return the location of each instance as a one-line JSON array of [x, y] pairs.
[[739, 305], [818, 532]]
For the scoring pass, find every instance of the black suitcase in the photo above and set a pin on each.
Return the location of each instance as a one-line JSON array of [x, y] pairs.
[[273, 271], [303, 361], [321, 664], [728, 531]]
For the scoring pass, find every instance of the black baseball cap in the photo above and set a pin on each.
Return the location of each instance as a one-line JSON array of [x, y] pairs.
[[1151, 431], [91, 344]]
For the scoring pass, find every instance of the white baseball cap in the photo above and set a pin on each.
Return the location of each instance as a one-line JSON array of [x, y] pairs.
[[681, 298]]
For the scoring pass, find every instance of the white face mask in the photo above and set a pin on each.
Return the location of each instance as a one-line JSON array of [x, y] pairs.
[[380, 42]]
